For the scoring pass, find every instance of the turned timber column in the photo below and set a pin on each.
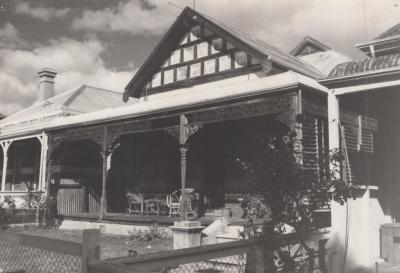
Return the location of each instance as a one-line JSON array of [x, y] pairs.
[[104, 155], [5, 146], [108, 148], [182, 134], [184, 204]]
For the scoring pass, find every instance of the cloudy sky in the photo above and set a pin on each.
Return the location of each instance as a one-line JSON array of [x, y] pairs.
[[102, 42]]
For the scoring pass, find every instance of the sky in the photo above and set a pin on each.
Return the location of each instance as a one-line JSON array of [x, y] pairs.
[[103, 42]]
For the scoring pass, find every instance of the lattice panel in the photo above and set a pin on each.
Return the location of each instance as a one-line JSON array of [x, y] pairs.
[[15, 257]]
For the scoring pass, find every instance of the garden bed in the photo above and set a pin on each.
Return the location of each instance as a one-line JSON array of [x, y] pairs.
[[111, 245]]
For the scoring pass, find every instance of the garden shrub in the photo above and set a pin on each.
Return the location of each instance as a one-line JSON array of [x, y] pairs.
[[7, 213]]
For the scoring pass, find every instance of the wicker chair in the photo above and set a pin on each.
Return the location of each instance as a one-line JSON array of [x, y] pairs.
[[135, 200], [173, 203]]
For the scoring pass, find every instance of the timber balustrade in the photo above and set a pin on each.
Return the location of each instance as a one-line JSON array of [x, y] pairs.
[[243, 256], [36, 254]]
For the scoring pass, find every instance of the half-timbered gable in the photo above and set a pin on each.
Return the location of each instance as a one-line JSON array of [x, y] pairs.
[[198, 49], [200, 56]]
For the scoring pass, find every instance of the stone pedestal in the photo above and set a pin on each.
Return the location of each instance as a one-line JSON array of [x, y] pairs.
[[186, 234]]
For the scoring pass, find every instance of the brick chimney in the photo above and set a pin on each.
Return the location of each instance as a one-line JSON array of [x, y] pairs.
[[46, 85]]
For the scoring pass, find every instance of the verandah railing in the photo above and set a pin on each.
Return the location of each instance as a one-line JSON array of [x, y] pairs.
[[244, 256], [36, 254]]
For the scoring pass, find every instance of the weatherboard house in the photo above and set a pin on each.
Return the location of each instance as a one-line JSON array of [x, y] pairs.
[[205, 96]]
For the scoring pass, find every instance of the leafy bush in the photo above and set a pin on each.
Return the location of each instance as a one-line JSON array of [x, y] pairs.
[[154, 232], [36, 201], [7, 213], [290, 192]]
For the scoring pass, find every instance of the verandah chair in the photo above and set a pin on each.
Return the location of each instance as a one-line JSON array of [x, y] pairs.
[[135, 200], [173, 203]]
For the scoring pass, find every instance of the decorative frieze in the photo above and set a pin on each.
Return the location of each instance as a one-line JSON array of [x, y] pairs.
[[245, 110]]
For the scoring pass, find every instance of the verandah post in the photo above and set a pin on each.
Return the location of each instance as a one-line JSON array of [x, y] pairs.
[[90, 248], [322, 252], [105, 157], [183, 153], [5, 145], [260, 257]]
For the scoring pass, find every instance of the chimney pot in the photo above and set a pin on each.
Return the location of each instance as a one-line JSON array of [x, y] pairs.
[[46, 85]]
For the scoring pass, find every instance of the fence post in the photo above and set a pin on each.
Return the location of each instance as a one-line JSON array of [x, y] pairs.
[[311, 261], [90, 247], [260, 258], [322, 256]]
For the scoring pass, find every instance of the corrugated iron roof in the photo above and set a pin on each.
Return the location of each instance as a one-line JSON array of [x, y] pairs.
[[370, 64], [81, 99]]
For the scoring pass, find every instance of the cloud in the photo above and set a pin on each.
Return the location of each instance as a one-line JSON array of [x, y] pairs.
[[10, 37], [77, 62], [40, 12], [338, 23], [129, 17]]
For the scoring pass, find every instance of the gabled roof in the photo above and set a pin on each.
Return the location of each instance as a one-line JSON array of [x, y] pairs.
[[255, 47], [308, 41], [366, 65], [393, 31], [78, 100]]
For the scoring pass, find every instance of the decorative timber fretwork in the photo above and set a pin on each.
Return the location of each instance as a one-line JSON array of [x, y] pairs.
[[249, 109], [127, 127], [96, 133], [184, 131], [287, 117]]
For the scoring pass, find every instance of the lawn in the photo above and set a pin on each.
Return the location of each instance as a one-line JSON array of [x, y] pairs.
[[111, 245]]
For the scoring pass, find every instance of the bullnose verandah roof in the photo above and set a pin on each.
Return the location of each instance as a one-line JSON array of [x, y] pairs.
[[369, 64]]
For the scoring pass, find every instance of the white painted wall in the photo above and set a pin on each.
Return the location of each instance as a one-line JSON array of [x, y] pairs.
[[362, 218]]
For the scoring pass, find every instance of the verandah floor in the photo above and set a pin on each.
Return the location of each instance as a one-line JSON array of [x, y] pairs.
[[123, 218]]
